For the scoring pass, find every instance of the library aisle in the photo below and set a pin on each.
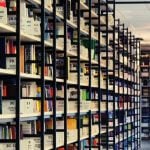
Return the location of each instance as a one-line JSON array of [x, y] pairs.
[[70, 77]]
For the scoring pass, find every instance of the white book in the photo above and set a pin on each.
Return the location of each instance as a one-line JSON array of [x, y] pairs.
[[27, 127], [24, 91], [33, 89], [23, 8], [60, 124], [48, 3]]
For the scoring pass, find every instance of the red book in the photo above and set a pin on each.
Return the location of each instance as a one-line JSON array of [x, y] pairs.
[[13, 131], [12, 48], [4, 90], [51, 92], [61, 148], [45, 71], [38, 126], [2, 3], [121, 102]]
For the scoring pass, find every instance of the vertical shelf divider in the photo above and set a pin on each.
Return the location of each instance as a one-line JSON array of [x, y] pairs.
[[18, 78], [65, 76], [78, 74], [107, 78], [99, 76], [90, 70], [123, 81], [42, 71], [127, 36], [114, 80], [54, 75]]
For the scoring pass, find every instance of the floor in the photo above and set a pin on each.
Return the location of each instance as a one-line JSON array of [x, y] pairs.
[[145, 145]]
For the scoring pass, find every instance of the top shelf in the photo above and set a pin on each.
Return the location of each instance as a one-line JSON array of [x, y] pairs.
[[82, 7]]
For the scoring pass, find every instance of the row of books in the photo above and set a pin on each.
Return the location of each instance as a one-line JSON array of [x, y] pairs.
[[8, 131], [29, 19], [27, 106], [30, 58], [30, 106], [34, 143]]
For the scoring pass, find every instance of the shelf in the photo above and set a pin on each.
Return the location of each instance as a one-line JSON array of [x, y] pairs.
[[23, 117], [7, 72], [82, 138], [96, 100]]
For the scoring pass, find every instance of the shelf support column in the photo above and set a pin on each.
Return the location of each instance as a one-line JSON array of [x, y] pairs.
[[18, 78], [54, 75]]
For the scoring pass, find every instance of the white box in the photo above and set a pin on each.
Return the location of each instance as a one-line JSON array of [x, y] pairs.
[[30, 26], [7, 146], [27, 144], [3, 15], [11, 63], [9, 106], [37, 30], [48, 140]]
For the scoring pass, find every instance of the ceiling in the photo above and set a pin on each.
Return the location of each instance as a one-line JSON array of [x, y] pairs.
[[136, 17]]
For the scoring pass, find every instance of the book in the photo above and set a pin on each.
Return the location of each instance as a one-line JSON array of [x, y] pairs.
[[7, 131], [71, 124], [2, 3], [3, 12], [12, 5], [29, 127], [29, 89], [10, 47], [48, 69], [22, 59], [9, 89]]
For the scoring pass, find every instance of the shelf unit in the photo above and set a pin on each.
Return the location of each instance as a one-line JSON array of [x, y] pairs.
[[80, 79], [145, 92]]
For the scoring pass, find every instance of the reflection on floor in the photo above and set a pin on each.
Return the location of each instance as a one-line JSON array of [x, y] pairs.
[[145, 145]]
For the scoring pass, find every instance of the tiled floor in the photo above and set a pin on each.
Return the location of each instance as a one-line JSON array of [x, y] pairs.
[[145, 145]]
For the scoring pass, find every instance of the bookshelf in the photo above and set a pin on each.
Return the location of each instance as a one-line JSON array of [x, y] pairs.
[[145, 91], [69, 76]]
